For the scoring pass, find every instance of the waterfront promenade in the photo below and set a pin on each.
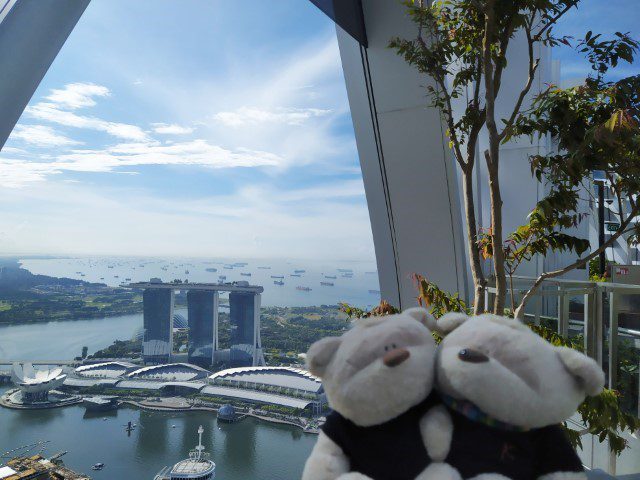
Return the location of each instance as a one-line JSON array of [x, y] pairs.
[[180, 404]]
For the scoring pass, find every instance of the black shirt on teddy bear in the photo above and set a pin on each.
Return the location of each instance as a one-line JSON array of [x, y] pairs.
[[478, 448], [393, 450]]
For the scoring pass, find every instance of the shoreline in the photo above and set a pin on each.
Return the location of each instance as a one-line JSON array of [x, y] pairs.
[[204, 408], [5, 401], [153, 408], [102, 316]]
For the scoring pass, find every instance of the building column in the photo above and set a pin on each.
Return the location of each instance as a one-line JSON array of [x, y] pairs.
[[157, 344], [216, 306], [258, 355], [408, 171], [32, 33]]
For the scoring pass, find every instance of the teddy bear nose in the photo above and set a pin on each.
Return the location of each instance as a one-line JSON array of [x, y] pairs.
[[472, 356], [395, 357]]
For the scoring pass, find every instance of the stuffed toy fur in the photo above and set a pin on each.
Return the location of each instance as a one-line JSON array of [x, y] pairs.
[[378, 378], [506, 391]]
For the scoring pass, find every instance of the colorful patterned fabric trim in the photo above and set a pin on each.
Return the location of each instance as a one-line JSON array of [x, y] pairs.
[[473, 413]]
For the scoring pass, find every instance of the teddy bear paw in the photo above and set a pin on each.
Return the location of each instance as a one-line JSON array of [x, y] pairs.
[[353, 476], [490, 476], [439, 471]]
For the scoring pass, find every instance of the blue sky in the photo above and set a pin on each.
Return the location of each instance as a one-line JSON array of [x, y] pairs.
[[201, 128], [600, 16]]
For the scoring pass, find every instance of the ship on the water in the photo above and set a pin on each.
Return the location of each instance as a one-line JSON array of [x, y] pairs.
[[100, 403], [198, 466], [327, 284], [304, 289]]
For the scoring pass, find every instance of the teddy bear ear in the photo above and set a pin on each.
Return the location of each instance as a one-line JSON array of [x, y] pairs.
[[423, 316], [583, 368], [320, 354], [448, 322]]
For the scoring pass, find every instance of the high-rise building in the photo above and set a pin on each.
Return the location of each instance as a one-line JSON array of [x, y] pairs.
[[203, 323], [244, 316], [157, 343]]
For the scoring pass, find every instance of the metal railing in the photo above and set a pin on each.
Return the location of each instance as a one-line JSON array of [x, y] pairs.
[[600, 326]]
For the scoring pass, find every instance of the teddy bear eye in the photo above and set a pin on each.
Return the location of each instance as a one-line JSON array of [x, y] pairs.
[[386, 349], [393, 345]]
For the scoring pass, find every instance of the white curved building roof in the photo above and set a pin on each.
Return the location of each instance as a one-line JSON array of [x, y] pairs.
[[285, 377], [253, 396], [89, 382], [104, 370], [172, 371]]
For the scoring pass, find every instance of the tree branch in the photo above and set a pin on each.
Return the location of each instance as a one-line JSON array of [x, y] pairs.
[[519, 313], [533, 66], [554, 20]]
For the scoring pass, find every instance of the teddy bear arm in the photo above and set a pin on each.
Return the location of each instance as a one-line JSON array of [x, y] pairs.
[[490, 476], [436, 428], [326, 462]]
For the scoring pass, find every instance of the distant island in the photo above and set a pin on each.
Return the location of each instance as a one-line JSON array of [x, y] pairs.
[[29, 298]]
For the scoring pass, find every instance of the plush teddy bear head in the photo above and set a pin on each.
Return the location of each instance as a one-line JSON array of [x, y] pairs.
[[379, 368], [510, 372]]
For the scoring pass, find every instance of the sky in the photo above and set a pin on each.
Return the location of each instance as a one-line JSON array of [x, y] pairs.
[[201, 128], [600, 16]]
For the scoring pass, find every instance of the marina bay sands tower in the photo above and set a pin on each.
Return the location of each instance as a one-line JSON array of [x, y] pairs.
[[203, 300]]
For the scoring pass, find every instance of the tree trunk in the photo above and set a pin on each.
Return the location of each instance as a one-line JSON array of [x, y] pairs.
[[496, 228], [479, 281], [493, 157]]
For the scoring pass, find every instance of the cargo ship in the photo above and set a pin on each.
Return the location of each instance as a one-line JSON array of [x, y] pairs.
[[327, 284], [304, 289], [278, 282]]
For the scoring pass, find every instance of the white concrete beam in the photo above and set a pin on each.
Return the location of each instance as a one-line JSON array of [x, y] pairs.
[[32, 33], [407, 168]]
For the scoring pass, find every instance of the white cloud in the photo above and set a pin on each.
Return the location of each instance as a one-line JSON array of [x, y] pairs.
[[77, 95], [13, 150], [251, 116], [171, 129], [41, 136], [195, 152], [19, 173], [105, 222], [50, 112]]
